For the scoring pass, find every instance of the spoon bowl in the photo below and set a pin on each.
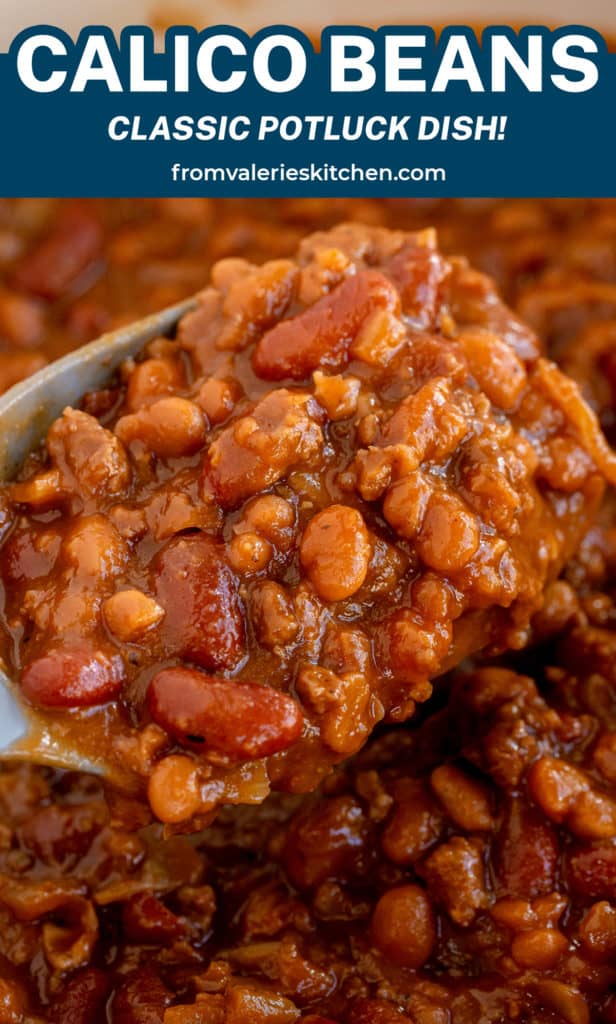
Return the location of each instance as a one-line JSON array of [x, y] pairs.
[[27, 411]]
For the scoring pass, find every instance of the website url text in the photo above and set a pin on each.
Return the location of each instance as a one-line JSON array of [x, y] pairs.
[[313, 172]]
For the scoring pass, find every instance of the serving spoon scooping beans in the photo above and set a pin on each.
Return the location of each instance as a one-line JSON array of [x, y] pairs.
[[350, 471], [26, 412]]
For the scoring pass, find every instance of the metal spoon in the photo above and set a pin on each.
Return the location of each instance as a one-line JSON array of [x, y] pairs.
[[26, 413]]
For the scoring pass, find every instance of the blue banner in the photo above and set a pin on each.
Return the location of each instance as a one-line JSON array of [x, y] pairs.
[[396, 111]]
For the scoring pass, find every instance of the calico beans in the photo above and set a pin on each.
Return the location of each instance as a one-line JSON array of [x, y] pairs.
[[347, 471]]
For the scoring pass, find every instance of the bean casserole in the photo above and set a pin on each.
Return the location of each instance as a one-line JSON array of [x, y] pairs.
[[353, 468]]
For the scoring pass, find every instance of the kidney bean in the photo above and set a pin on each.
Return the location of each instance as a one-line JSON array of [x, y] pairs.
[[526, 851], [197, 590], [404, 926], [320, 337], [240, 719], [74, 675], [51, 267], [419, 271]]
